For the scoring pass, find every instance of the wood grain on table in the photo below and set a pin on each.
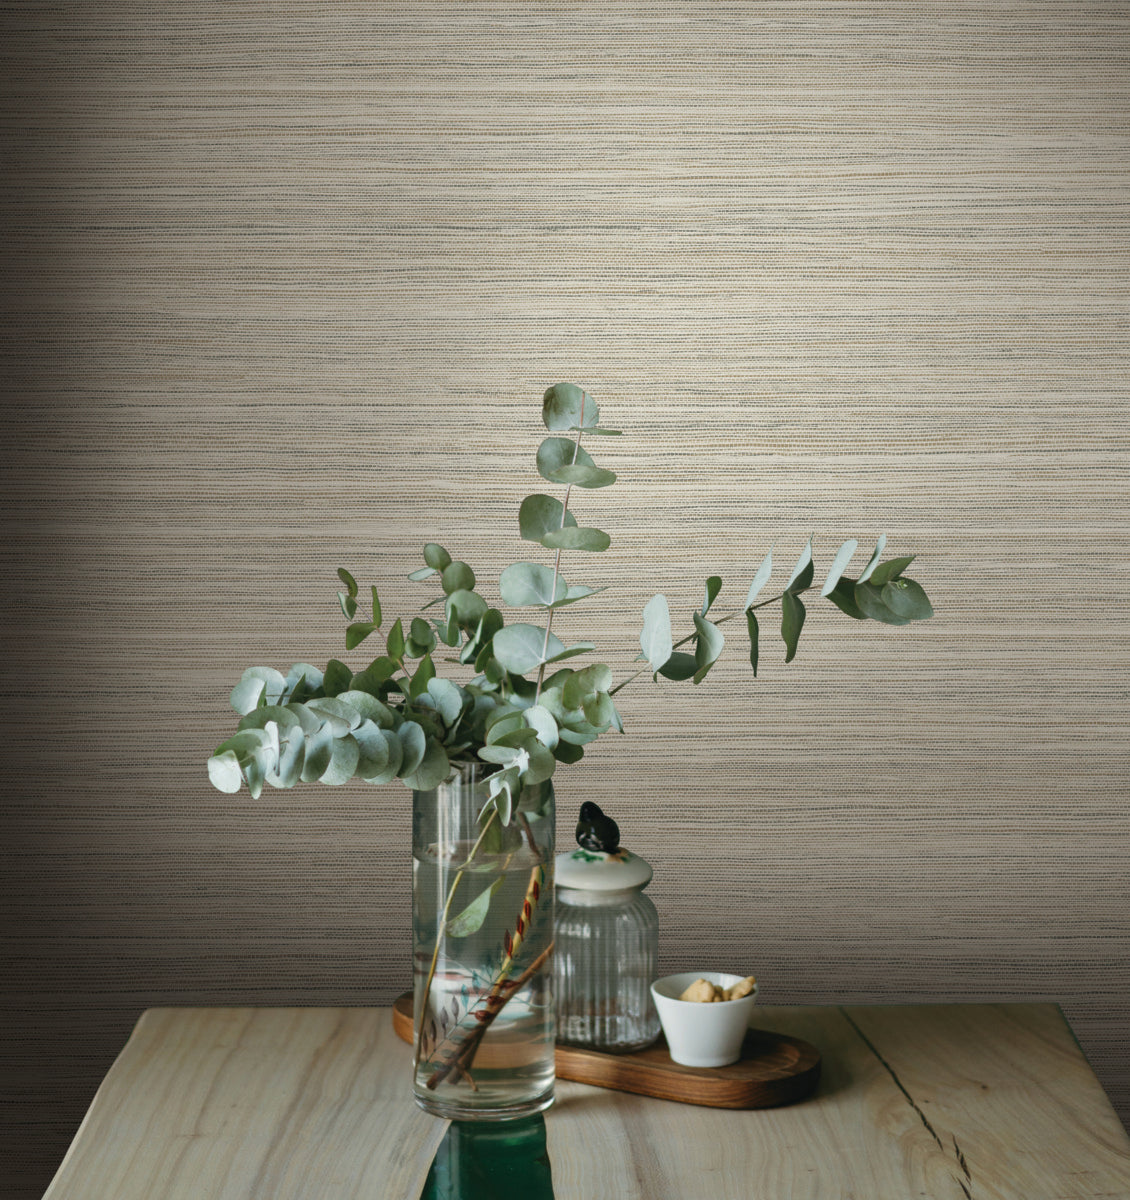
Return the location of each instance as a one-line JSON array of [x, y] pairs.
[[969, 1102]]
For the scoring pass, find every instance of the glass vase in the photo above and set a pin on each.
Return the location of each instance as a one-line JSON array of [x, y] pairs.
[[482, 927]]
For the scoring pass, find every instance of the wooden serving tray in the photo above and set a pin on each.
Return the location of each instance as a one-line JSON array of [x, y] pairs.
[[773, 1069]]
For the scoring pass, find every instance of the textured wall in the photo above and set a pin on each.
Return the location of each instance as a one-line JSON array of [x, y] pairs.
[[284, 285]]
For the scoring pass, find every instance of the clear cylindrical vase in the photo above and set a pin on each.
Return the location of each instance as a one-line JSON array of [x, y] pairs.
[[482, 917]]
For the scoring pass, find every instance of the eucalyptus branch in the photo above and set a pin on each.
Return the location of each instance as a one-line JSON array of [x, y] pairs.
[[739, 612], [557, 557]]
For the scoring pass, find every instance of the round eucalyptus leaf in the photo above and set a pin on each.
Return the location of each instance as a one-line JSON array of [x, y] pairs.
[[395, 756], [465, 608], [679, 666], [541, 721], [373, 757], [457, 577], [434, 768], [414, 744], [291, 756], [540, 766], [708, 646], [584, 476], [585, 683], [568, 752], [518, 648], [556, 453], [305, 676], [319, 751], [224, 771], [905, 598], [369, 707], [436, 556], [870, 600], [448, 699], [256, 684], [576, 539], [259, 718], [566, 406], [600, 711], [539, 515], [343, 761], [523, 584], [342, 717]]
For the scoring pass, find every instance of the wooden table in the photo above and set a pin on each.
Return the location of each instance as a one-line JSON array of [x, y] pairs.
[[954, 1102]]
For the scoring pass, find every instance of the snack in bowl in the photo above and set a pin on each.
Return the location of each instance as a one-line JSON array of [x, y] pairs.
[[702, 991], [705, 1015]]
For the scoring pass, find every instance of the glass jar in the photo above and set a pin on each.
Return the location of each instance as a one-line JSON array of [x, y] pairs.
[[607, 946], [482, 914]]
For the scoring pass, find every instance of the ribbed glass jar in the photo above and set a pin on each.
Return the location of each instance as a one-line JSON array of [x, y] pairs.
[[604, 964]]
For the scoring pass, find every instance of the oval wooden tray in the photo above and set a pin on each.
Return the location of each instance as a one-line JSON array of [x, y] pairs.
[[773, 1070]]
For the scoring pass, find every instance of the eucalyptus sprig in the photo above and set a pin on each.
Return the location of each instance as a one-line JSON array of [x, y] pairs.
[[398, 717]]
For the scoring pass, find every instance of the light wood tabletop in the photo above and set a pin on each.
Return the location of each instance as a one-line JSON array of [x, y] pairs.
[[953, 1102]]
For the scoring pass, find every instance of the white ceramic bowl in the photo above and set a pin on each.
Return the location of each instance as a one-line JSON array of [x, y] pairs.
[[702, 1035]]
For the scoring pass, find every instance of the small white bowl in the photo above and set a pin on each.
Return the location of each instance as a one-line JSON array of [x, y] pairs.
[[702, 1035]]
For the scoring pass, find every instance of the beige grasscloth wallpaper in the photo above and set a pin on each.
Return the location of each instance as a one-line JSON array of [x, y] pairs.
[[283, 285]]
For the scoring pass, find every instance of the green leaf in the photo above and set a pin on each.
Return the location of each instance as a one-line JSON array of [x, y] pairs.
[[372, 750], [539, 515], [584, 476], [568, 752], [379, 671], [865, 574], [318, 752], [751, 624], [577, 592], [376, 609], [599, 711], [519, 647], [577, 539], [356, 633], [395, 751], [905, 598], [370, 708], [562, 461], [337, 678], [843, 597], [503, 785], [422, 573], [421, 639], [713, 587], [448, 699], [414, 743], [348, 606], [340, 716], [436, 556], [542, 722], [471, 919], [599, 430], [760, 579], [887, 571], [566, 406], [582, 684], [434, 768], [457, 577], [708, 646], [870, 600], [803, 572], [525, 583], [395, 641], [425, 672], [224, 771], [257, 685], [679, 666], [348, 580], [345, 756], [655, 637], [465, 608], [792, 622], [839, 565]]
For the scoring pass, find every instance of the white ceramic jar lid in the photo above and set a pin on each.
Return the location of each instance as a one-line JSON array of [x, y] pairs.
[[599, 871]]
